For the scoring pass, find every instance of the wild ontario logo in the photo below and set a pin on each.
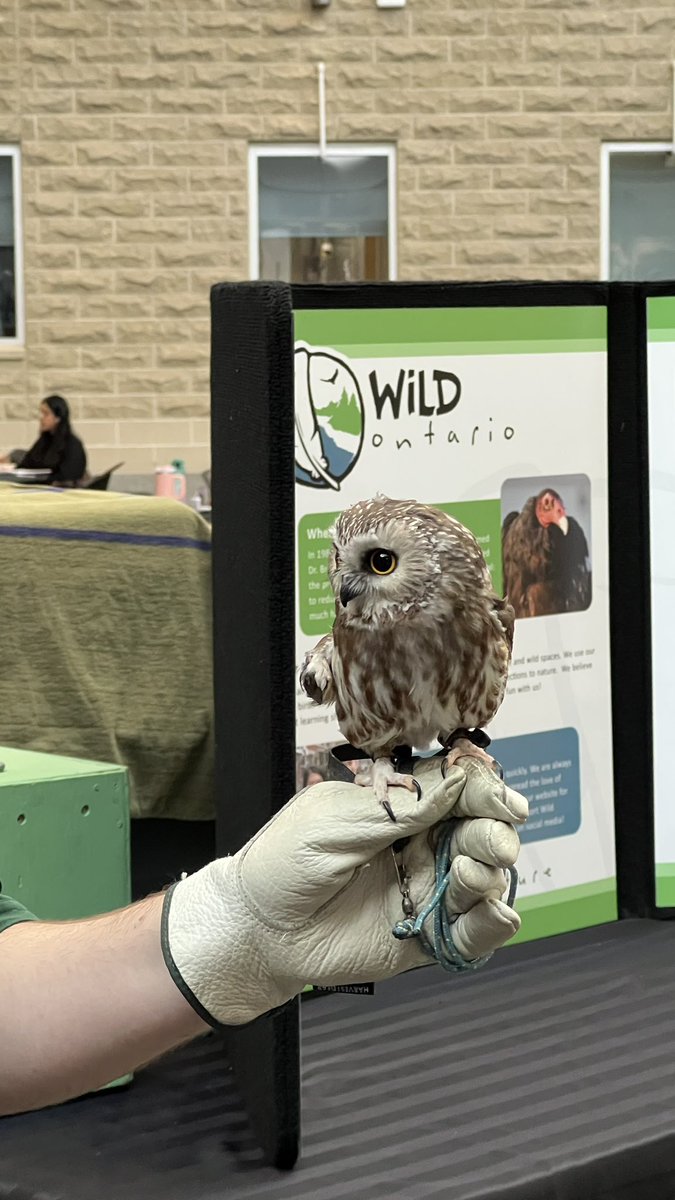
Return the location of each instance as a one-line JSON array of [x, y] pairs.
[[328, 418]]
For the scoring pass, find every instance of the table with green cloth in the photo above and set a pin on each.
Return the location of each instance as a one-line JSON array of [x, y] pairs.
[[106, 639]]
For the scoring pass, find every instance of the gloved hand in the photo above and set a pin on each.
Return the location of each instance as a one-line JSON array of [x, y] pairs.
[[313, 897]]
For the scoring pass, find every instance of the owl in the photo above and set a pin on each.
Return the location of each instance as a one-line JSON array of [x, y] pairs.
[[421, 643]]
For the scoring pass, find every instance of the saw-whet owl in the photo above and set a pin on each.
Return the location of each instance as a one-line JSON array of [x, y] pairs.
[[421, 643]]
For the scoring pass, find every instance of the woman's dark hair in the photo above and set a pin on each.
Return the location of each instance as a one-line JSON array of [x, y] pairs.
[[54, 443], [60, 409]]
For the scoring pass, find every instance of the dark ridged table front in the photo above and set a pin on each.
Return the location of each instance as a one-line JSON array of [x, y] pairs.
[[549, 1075]]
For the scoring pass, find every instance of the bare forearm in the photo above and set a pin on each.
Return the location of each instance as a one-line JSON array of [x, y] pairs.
[[84, 1002]]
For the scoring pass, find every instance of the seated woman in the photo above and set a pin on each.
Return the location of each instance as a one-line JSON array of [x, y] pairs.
[[57, 446]]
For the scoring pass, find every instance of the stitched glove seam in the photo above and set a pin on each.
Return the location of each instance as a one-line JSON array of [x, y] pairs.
[[289, 925]]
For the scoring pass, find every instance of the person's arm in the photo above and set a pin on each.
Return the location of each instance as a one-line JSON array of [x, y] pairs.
[[34, 456], [83, 1002], [312, 898]]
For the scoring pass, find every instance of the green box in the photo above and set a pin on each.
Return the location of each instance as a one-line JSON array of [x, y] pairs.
[[64, 834]]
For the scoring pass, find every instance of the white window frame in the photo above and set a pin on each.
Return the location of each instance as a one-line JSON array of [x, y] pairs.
[[9, 343], [606, 151], [333, 150]]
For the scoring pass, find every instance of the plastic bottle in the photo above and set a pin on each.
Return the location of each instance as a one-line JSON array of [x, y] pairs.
[[180, 480]]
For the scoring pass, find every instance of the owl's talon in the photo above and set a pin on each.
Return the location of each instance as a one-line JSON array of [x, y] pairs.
[[383, 776], [463, 748]]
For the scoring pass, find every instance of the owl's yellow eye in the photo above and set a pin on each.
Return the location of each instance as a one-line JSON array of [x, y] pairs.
[[382, 562]]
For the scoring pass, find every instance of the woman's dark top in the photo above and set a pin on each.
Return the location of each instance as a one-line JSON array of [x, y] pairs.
[[65, 457]]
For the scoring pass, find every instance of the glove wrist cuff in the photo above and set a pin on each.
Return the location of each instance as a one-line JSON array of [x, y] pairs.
[[214, 947], [173, 970]]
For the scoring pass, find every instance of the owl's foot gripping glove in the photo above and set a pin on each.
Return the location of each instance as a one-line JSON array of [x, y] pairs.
[[314, 896]]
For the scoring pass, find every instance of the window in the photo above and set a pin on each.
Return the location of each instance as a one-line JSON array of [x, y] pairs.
[[11, 274], [638, 211], [321, 219]]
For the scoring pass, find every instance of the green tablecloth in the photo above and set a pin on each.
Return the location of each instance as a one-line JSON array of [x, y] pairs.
[[106, 648]]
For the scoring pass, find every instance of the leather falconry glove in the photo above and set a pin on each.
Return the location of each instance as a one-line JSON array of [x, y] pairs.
[[314, 895]]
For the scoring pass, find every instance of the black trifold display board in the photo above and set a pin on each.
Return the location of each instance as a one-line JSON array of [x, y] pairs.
[[254, 567]]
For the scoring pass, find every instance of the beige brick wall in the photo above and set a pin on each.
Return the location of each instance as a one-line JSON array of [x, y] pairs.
[[134, 118]]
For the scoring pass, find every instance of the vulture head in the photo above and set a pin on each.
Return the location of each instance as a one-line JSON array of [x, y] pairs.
[[550, 510]]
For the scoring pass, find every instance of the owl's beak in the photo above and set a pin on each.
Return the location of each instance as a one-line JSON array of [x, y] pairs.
[[349, 590]]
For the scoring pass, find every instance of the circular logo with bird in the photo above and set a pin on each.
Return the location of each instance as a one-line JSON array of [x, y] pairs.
[[328, 418]]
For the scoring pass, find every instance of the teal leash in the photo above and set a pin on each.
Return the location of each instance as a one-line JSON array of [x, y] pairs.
[[440, 944]]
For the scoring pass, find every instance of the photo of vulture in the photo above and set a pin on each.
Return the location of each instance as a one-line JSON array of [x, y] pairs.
[[546, 559]]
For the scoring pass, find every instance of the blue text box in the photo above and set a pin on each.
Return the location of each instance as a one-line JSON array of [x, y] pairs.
[[545, 768]]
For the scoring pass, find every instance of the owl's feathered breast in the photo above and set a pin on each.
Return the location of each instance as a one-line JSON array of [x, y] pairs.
[[411, 680]]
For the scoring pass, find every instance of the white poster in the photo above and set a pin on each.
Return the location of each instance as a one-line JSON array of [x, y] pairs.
[[500, 417], [661, 392]]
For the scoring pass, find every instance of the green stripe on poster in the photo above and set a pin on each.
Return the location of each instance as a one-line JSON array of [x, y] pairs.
[[661, 318], [665, 885], [567, 909], [460, 349], [661, 335], [564, 326]]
